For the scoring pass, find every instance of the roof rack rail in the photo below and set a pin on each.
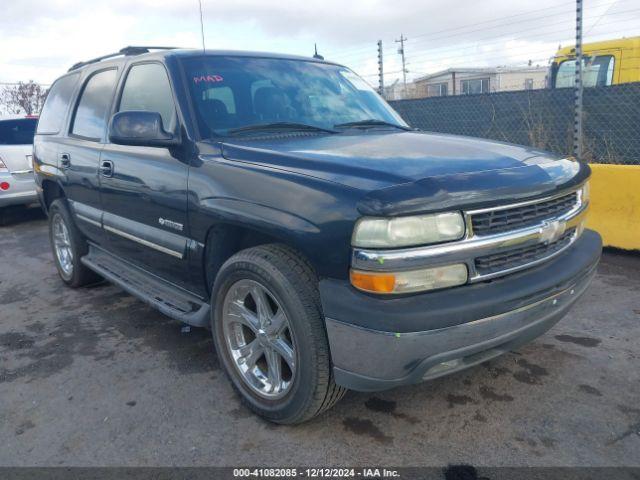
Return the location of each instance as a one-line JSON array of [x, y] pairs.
[[126, 51]]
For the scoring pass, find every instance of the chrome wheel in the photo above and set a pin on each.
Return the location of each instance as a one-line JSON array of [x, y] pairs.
[[62, 244], [259, 339]]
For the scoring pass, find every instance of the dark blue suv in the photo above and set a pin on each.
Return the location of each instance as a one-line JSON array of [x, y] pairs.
[[280, 202]]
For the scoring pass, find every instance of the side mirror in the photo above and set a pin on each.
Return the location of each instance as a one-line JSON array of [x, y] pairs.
[[140, 128]]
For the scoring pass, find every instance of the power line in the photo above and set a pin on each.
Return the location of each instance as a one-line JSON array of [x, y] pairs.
[[537, 29], [600, 17], [441, 54], [351, 51]]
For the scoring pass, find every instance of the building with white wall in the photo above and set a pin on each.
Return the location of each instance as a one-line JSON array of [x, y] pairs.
[[463, 81]]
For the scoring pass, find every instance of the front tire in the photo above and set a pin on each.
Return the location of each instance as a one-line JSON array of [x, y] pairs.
[[68, 246], [269, 333]]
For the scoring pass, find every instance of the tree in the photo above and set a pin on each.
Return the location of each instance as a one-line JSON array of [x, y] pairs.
[[25, 97]]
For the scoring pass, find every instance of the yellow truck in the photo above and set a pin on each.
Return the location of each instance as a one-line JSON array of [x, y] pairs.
[[615, 196], [610, 62]]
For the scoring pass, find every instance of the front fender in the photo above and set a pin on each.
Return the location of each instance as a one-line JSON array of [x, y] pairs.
[[311, 215]]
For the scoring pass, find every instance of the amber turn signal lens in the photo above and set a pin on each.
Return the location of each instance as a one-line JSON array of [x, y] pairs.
[[373, 282]]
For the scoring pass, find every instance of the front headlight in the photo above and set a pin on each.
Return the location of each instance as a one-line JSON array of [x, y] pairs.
[[408, 231], [421, 280]]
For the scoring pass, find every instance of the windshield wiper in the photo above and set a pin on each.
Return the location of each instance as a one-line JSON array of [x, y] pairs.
[[279, 126], [370, 123]]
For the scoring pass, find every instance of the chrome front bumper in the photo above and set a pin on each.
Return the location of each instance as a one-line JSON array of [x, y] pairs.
[[473, 246], [369, 360], [378, 342]]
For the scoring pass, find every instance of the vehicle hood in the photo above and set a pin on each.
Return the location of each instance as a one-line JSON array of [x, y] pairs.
[[401, 172]]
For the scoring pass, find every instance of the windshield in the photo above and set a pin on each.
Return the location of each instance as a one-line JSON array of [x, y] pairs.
[[17, 132], [596, 72], [230, 93]]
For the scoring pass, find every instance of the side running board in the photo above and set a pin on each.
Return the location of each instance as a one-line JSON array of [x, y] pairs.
[[169, 299]]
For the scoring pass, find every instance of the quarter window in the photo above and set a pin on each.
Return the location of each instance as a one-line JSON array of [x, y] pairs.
[[57, 104], [91, 113], [147, 88]]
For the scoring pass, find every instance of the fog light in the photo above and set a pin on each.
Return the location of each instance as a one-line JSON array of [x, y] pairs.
[[411, 281]]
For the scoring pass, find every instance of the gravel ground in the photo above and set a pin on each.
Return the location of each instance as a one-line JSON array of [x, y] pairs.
[[93, 377]]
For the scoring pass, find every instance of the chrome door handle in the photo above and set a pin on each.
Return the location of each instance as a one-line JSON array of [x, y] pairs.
[[65, 160], [106, 168]]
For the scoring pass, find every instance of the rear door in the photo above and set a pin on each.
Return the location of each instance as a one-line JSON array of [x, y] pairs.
[[144, 191], [79, 152], [52, 124]]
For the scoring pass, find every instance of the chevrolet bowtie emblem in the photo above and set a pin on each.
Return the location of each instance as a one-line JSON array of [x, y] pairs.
[[551, 231]]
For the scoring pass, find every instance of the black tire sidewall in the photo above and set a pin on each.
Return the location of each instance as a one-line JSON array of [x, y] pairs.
[[58, 207], [304, 384]]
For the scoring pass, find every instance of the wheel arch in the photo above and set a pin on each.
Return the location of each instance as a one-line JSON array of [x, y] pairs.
[[51, 190], [225, 239]]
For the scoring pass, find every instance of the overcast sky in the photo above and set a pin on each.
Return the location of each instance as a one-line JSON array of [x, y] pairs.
[[41, 39]]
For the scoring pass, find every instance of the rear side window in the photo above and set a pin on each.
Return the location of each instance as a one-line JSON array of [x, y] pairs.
[[147, 88], [57, 104], [91, 114], [17, 132]]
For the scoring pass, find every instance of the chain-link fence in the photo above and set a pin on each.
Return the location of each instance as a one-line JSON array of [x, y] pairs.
[[539, 118]]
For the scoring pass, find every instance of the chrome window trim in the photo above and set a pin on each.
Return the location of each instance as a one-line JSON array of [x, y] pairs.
[[472, 246]]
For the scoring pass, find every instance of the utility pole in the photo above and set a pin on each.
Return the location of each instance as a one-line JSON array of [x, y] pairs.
[[380, 70], [577, 134], [404, 65]]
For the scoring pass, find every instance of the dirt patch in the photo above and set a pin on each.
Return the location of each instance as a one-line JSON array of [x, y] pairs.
[[454, 400], [366, 428], [531, 373], [590, 390], [489, 393], [388, 407], [582, 341]]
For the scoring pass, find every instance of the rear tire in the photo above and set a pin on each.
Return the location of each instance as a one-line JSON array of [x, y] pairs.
[[68, 246], [275, 284]]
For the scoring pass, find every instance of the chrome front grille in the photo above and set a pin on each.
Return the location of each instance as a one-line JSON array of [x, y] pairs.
[[499, 240], [514, 258], [507, 219]]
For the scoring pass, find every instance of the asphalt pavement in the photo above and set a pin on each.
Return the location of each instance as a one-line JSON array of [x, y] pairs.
[[94, 377]]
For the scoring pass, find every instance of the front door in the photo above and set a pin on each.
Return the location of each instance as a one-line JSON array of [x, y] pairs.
[[144, 189]]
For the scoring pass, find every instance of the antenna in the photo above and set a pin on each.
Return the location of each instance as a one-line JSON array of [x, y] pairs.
[[201, 25], [316, 54]]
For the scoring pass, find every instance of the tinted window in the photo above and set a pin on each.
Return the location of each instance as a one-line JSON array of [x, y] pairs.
[[57, 103], [91, 114], [17, 132], [231, 92], [147, 88]]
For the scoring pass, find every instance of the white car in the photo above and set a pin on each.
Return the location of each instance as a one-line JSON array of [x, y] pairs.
[[17, 185]]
